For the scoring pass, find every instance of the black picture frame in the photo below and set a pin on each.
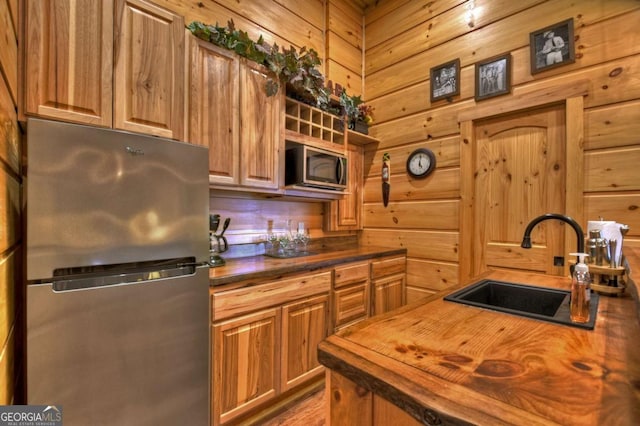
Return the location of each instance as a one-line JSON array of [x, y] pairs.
[[493, 77], [445, 80], [552, 46]]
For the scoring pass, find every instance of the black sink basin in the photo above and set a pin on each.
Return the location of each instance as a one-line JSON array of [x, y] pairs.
[[545, 304]]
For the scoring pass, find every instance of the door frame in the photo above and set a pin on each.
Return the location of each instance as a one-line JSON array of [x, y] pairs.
[[572, 96]]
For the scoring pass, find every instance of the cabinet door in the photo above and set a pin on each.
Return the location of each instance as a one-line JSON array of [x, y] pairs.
[[304, 325], [68, 50], [345, 214], [245, 363], [213, 109], [261, 137], [350, 304], [388, 293], [149, 69]]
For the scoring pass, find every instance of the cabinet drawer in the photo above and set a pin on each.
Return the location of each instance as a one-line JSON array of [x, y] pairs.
[[352, 273], [350, 304], [236, 302], [390, 266]]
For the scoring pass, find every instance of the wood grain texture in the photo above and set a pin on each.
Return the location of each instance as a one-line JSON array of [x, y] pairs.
[[304, 324], [226, 304], [346, 214], [483, 367], [245, 363], [437, 245], [431, 275], [502, 36], [443, 215], [624, 207], [149, 67], [214, 97], [403, 188], [9, 132], [612, 170], [261, 129], [9, 49], [68, 51], [612, 125]]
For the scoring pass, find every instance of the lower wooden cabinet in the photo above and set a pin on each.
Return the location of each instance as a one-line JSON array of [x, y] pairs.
[[265, 340], [351, 294], [388, 280], [388, 293], [304, 325], [245, 363], [350, 404]]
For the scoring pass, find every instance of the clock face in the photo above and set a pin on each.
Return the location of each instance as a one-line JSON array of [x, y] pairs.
[[421, 163]]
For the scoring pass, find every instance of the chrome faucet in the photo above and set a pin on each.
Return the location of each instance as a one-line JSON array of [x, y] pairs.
[[526, 239]]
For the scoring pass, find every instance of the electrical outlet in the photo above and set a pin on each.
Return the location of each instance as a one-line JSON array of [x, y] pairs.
[[558, 260]]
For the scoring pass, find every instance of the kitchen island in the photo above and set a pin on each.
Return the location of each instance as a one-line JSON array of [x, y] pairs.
[[440, 362]]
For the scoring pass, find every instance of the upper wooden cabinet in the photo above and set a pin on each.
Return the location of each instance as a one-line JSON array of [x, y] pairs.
[[108, 64], [149, 69], [230, 112], [346, 214], [68, 54]]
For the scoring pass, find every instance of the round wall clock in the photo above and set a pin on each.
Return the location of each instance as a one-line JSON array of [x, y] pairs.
[[421, 163]]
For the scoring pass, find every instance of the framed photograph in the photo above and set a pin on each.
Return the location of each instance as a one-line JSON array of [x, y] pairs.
[[552, 46], [493, 77], [445, 80]]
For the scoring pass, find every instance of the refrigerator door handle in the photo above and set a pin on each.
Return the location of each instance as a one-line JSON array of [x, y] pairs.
[[61, 284]]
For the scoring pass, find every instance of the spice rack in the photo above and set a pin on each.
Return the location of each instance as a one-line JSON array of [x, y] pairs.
[[312, 126]]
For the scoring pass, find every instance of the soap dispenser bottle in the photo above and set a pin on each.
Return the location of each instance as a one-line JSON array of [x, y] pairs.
[[580, 291]]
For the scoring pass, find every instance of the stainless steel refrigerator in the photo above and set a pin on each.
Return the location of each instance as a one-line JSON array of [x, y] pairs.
[[117, 280]]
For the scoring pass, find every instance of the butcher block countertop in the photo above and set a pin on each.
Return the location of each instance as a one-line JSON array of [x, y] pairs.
[[264, 267], [471, 365]]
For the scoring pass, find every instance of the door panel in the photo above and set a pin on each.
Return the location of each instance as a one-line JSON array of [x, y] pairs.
[[520, 174]]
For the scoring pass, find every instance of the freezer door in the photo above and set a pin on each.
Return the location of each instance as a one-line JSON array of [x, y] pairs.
[[100, 197], [134, 354]]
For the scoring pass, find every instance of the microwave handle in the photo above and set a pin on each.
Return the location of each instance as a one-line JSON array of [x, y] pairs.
[[341, 170]]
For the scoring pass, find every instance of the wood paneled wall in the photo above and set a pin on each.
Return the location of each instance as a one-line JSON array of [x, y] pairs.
[[11, 292], [404, 39], [334, 29]]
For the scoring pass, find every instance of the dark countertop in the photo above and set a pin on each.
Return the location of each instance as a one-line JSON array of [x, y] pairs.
[[473, 365], [261, 267]]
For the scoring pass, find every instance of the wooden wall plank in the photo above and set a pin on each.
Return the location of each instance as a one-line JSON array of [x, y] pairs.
[[10, 223], [8, 283], [446, 150], [255, 18], [349, 80], [435, 245], [400, 18], [9, 134], [510, 35], [442, 214], [309, 10], [448, 24], [427, 125], [443, 183], [8, 50], [346, 25], [7, 370], [343, 53], [612, 170], [613, 125], [623, 208], [431, 275]]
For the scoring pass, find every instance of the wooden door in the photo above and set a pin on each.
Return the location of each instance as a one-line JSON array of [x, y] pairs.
[[68, 50], [519, 175], [213, 109], [245, 363], [304, 325], [261, 137], [149, 69]]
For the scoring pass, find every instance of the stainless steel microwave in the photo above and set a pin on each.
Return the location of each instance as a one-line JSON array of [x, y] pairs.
[[314, 167]]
